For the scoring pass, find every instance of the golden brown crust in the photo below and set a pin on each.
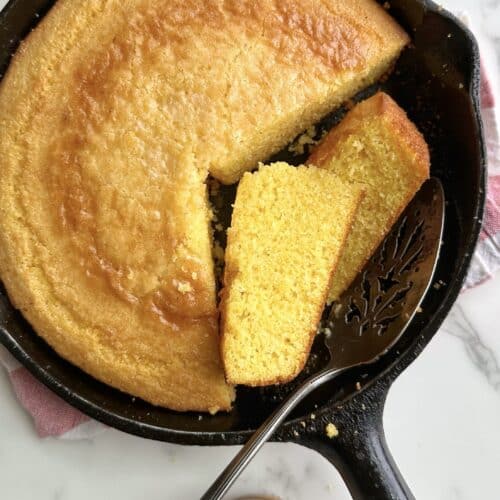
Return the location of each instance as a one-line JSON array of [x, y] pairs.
[[403, 135], [381, 105], [104, 237], [111, 114], [403, 130], [324, 47]]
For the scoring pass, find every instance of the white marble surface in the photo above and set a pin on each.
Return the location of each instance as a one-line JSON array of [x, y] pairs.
[[442, 419]]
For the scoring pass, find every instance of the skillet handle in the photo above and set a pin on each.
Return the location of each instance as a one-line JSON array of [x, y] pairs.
[[360, 452]]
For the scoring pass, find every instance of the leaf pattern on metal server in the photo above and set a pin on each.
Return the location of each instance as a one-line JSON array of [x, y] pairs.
[[379, 297]]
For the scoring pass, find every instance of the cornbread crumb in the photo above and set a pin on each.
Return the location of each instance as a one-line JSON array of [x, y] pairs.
[[324, 330], [298, 147], [213, 186], [331, 430], [337, 309], [277, 273], [183, 286], [219, 257]]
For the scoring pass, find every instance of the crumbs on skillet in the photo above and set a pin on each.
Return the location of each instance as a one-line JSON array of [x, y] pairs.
[[331, 431], [305, 140]]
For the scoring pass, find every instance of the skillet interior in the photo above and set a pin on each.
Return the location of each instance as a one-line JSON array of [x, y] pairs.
[[437, 82]]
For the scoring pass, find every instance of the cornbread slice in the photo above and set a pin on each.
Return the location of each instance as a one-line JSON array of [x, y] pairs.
[[288, 228], [376, 144]]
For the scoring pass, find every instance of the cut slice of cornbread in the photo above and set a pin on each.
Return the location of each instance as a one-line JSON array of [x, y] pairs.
[[376, 144], [288, 227]]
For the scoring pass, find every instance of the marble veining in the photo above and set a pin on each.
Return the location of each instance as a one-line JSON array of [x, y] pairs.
[[484, 358], [59, 493]]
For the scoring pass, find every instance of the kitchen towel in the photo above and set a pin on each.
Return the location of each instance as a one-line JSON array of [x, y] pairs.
[[54, 417]]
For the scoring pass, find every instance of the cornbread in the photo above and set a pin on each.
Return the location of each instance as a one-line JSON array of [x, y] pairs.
[[104, 232], [376, 144], [231, 81], [111, 115], [288, 227], [331, 430]]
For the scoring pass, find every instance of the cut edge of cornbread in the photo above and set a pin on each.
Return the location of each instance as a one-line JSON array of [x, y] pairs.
[[247, 246], [288, 127], [389, 39], [405, 147]]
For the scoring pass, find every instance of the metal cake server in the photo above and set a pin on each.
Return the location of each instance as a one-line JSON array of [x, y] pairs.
[[371, 316]]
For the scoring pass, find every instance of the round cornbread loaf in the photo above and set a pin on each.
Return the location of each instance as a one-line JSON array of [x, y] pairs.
[[111, 115]]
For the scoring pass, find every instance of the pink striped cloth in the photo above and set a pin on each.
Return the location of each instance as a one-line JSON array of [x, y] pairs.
[[53, 417], [486, 261]]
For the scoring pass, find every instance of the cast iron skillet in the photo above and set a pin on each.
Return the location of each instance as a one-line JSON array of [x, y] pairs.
[[437, 81]]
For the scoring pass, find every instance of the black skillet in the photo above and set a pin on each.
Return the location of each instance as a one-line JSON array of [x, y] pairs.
[[437, 80]]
